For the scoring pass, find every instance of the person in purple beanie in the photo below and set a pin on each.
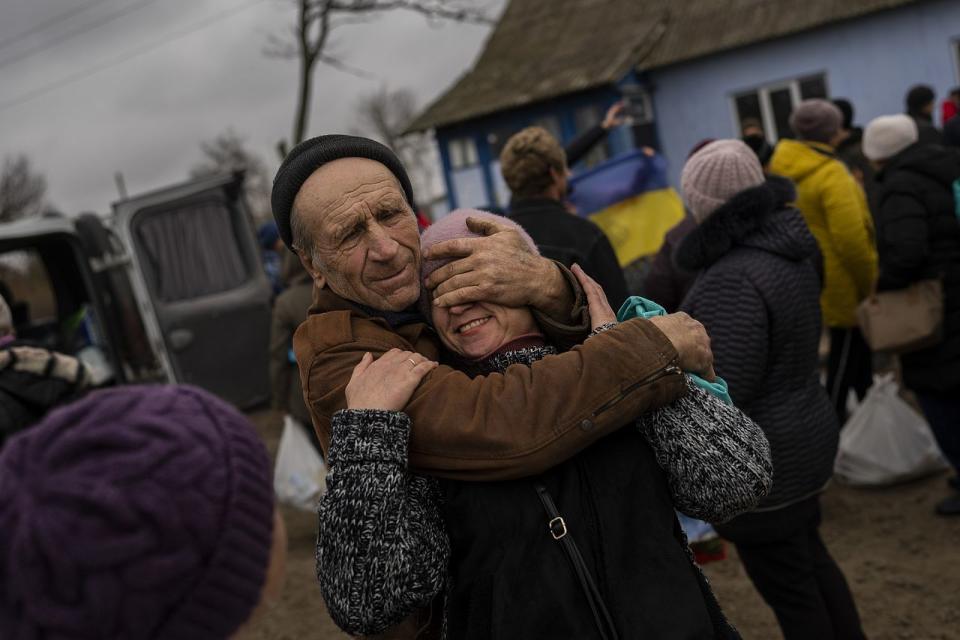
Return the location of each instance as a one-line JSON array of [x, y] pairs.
[[137, 513]]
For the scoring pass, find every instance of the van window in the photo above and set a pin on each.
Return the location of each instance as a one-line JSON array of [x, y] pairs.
[[191, 251], [27, 289]]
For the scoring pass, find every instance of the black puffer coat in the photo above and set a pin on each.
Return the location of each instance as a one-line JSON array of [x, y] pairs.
[[918, 237], [758, 297]]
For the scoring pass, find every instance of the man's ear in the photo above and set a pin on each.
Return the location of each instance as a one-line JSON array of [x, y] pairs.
[[307, 261], [557, 175]]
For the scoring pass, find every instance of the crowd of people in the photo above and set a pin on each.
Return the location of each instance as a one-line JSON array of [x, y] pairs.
[[510, 433]]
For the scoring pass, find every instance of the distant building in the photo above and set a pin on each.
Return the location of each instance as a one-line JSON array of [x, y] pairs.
[[692, 69]]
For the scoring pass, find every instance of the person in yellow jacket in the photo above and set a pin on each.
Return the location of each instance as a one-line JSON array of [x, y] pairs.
[[836, 210]]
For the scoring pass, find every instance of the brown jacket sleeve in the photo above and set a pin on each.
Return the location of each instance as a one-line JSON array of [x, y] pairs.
[[498, 426], [570, 331]]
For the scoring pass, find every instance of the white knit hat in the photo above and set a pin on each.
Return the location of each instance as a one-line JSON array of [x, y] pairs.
[[887, 136], [716, 173]]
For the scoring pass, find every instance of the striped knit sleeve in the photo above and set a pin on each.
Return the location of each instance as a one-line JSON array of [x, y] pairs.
[[717, 460], [382, 549]]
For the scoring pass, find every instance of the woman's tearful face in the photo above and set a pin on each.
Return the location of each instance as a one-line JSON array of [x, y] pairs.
[[476, 330]]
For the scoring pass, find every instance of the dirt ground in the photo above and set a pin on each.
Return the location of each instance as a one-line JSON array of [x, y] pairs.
[[901, 561]]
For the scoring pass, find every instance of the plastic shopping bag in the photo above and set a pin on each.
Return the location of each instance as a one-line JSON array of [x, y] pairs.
[[299, 475], [885, 441]]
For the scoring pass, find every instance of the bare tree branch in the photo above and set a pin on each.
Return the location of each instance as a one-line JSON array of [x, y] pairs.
[[340, 65], [316, 19], [429, 8], [384, 115], [22, 190], [346, 21], [277, 47], [226, 153]]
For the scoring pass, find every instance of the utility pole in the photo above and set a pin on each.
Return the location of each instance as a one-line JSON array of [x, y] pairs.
[[121, 184]]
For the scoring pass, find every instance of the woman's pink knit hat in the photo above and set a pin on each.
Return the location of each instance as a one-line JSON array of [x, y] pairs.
[[450, 227]]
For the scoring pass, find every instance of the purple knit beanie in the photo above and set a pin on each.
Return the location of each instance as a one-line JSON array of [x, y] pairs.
[[449, 227], [716, 173], [136, 513], [816, 120]]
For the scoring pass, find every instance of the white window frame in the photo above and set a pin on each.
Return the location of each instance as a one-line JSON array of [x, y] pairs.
[[955, 55], [766, 108], [641, 102], [463, 152]]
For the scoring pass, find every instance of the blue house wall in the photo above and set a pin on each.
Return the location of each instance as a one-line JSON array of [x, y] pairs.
[[871, 61], [482, 184]]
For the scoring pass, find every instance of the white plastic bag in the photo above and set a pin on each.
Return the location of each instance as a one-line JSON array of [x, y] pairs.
[[885, 441], [299, 475]]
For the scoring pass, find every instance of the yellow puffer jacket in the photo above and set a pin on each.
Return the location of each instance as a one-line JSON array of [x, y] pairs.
[[835, 208]]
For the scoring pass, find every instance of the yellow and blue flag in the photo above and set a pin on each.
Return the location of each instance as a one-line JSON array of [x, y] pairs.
[[630, 199]]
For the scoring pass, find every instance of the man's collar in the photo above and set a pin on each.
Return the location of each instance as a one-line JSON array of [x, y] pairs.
[[539, 203], [325, 300]]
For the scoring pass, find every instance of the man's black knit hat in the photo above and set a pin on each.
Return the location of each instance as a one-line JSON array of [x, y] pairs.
[[310, 155]]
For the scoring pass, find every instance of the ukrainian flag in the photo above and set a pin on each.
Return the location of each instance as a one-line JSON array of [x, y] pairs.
[[629, 198]]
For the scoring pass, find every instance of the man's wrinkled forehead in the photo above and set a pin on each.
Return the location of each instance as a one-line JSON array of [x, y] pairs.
[[336, 183]]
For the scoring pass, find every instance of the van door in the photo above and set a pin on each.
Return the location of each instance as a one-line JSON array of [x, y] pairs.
[[197, 268]]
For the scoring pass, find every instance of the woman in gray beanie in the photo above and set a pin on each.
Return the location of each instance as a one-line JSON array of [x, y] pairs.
[[758, 296]]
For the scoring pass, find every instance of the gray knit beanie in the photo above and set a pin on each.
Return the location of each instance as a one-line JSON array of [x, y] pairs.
[[716, 173], [887, 136], [816, 120]]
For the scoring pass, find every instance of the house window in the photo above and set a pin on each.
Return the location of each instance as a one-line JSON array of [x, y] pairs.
[[27, 288], [772, 105], [497, 139], [463, 153], [955, 45], [551, 124]]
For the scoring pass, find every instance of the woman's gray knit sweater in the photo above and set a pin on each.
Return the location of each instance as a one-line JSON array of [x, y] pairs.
[[382, 549]]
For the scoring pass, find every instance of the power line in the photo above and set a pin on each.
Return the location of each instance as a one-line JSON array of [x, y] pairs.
[[129, 55], [55, 42], [49, 22]]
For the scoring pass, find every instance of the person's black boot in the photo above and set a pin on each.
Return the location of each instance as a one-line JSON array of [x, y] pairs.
[[949, 506]]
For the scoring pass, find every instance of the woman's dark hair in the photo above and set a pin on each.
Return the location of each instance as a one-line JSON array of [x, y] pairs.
[[919, 97], [846, 108]]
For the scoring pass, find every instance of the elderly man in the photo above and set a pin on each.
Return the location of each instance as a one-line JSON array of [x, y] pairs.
[[344, 204]]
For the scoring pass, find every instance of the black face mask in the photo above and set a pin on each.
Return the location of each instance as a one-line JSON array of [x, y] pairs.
[[759, 145]]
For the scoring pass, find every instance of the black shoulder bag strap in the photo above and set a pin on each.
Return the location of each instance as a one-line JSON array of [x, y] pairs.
[[558, 529]]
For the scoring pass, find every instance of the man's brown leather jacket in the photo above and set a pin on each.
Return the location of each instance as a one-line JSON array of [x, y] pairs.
[[497, 426]]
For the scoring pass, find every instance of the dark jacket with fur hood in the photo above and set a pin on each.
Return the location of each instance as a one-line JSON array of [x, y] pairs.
[[758, 297]]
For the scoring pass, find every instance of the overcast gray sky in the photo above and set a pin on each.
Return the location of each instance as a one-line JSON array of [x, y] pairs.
[[150, 104]]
